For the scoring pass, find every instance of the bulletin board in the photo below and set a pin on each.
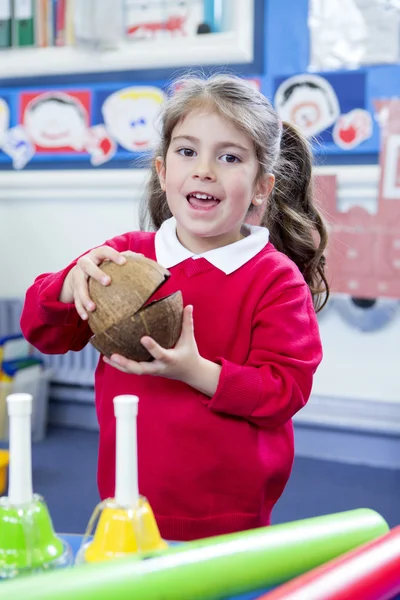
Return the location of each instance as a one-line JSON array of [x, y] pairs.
[[96, 126], [337, 109], [78, 127]]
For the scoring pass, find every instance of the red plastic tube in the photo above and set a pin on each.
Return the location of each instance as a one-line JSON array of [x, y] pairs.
[[371, 572]]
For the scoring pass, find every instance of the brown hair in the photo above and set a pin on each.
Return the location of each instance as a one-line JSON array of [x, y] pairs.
[[294, 221]]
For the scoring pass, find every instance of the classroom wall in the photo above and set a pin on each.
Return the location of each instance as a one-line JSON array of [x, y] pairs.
[[47, 218]]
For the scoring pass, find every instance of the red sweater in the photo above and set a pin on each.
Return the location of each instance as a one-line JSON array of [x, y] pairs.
[[208, 466]]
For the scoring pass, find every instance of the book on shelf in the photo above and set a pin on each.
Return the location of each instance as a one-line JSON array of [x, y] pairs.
[[5, 23], [36, 23], [23, 26]]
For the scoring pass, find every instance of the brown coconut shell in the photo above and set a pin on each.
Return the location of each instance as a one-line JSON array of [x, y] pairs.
[[161, 320], [132, 284]]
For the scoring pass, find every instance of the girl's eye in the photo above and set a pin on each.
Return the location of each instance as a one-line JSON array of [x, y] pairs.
[[230, 158], [186, 152]]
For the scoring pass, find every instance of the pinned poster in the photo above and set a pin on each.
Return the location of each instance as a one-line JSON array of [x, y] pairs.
[[332, 107], [307, 101], [56, 121], [131, 117], [166, 18], [4, 120], [353, 128], [66, 125], [18, 147], [100, 145]]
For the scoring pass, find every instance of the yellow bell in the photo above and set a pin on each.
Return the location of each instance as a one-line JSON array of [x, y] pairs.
[[126, 523], [123, 531]]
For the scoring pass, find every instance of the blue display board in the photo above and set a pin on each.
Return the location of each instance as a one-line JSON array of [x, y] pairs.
[[109, 117]]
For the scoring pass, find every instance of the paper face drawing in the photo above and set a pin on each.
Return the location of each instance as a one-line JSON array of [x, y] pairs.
[[56, 120], [17, 145], [352, 129], [4, 120], [130, 116], [99, 145], [307, 101]]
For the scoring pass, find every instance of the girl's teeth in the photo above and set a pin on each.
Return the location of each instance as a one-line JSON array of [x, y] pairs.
[[203, 197]]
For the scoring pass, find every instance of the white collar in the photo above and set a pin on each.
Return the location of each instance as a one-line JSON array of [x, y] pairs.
[[170, 252]]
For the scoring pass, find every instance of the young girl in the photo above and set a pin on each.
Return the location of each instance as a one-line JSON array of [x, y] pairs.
[[215, 437]]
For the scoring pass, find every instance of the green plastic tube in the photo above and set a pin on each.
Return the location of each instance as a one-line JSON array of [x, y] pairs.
[[212, 568]]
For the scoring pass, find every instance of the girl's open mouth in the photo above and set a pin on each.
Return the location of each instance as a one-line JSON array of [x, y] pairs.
[[200, 201]]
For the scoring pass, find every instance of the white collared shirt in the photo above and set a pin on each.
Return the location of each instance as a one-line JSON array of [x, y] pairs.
[[170, 252]]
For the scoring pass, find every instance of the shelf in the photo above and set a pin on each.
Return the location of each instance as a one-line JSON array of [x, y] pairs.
[[235, 46]]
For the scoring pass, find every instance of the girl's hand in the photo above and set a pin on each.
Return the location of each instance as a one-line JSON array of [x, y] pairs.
[[183, 362], [75, 288], [175, 363]]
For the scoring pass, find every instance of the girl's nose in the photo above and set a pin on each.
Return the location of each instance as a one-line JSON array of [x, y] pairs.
[[204, 173]]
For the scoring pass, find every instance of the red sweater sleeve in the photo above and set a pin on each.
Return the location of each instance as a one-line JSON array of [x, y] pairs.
[[49, 325], [52, 326], [276, 380]]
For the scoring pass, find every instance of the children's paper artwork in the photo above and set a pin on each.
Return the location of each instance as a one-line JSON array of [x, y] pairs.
[[307, 101], [18, 147], [69, 124], [99, 145], [131, 117], [4, 120], [162, 18], [56, 120], [353, 128]]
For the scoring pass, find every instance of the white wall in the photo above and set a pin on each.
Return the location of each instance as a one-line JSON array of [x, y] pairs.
[[358, 364], [49, 218]]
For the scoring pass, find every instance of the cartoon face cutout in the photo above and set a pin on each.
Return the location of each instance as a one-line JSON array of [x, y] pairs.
[[4, 120], [130, 116], [307, 101], [352, 128], [56, 120], [17, 145]]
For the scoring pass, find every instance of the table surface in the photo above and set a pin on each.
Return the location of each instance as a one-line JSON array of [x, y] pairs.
[[74, 540]]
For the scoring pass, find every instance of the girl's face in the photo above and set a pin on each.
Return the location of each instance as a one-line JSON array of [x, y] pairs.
[[210, 180]]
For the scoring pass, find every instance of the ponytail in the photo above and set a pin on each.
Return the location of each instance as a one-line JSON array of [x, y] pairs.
[[296, 226]]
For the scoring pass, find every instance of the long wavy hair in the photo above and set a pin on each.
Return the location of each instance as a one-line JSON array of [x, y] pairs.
[[292, 216]]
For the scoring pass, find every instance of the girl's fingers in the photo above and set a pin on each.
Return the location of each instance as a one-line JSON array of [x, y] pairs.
[[187, 323], [89, 263], [80, 309], [82, 293], [98, 255], [157, 351], [134, 368], [89, 269], [130, 253], [89, 266], [124, 364]]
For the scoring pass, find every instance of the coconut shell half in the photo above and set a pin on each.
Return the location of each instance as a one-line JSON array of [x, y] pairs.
[[161, 320], [131, 286]]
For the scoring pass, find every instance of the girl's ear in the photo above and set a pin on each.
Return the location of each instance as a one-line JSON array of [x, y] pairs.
[[263, 189], [160, 168]]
